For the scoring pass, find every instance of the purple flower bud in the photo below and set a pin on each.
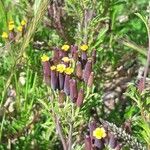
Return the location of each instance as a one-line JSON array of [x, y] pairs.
[[88, 144], [12, 36], [56, 53], [47, 80], [80, 98], [66, 84], [112, 141], [46, 72], [73, 90], [92, 127], [54, 80], [79, 70], [62, 54], [84, 56], [61, 81], [74, 49], [75, 56], [99, 144], [91, 79], [83, 59], [87, 71], [94, 56], [46, 68]]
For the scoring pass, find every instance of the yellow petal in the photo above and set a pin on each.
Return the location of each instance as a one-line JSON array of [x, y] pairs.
[[4, 35], [61, 68], [53, 68], [11, 27], [69, 70], [20, 28], [65, 47], [66, 59], [44, 58], [23, 22], [99, 133], [84, 47]]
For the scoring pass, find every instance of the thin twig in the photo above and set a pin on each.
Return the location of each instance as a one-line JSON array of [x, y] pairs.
[[147, 63], [60, 133], [57, 122]]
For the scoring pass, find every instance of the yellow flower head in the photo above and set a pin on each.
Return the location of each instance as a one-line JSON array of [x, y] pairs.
[[66, 59], [84, 47], [53, 68], [20, 28], [11, 27], [99, 133], [69, 70], [4, 35], [23, 22], [65, 47], [11, 22], [44, 58], [61, 68]]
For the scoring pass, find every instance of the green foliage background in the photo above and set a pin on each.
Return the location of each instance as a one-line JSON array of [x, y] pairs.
[[114, 31]]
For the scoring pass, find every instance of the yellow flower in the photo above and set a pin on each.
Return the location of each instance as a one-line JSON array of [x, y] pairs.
[[66, 59], [69, 70], [4, 35], [11, 27], [11, 22], [53, 67], [44, 58], [65, 47], [84, 47], [99, 133], [61, 68], [23, 22], [20, 28]]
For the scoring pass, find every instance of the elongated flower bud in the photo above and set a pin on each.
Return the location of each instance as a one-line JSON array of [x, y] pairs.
[[79, 70], [99, 143], [74, 49], [46, 68], [88, 144], [84, 55], [94, 56], [91, 79], [92, 127], [61, 81], [12, 36], [83, 59], [80, 98], [61, 98], [112, 141], [67, 85], [87, 71], [75, 56], [54, 80], [62, 54], [56, 53], [73, 90]]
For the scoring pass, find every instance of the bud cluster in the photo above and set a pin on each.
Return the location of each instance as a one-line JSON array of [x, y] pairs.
[[126, 138], [99, 138], [13, 30], [68, 69]]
